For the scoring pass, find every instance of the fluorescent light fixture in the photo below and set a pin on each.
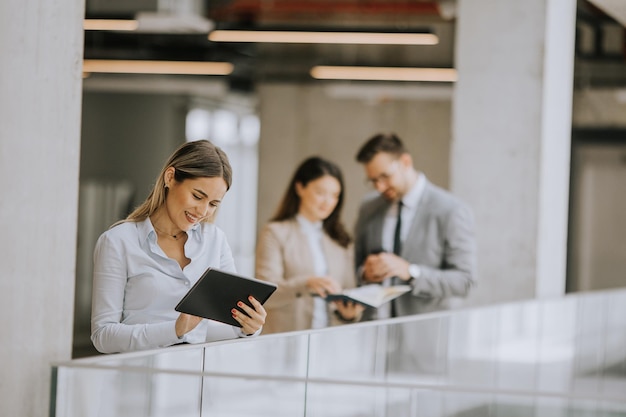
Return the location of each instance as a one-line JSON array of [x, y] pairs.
[[110, 24], [157, 67], [376, 92], [384, 73], [201, 87], [366, 38]]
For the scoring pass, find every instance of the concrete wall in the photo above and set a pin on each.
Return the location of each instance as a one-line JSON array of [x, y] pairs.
[[512, 135], [40, 97], [127, 137], [298, 121]]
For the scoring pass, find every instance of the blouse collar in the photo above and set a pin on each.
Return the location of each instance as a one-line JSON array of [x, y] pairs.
[[307, 224]]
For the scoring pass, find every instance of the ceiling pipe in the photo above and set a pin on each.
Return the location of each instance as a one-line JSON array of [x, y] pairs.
[[175, 16], [292, 7], [614, 8]]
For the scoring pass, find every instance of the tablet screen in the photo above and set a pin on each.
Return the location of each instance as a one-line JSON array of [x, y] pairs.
[[217, 292]]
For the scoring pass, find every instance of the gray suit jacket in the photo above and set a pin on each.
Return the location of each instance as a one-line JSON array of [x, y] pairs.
[[440, 240]]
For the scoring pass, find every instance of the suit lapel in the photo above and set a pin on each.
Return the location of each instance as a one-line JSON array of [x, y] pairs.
[[419, 220]]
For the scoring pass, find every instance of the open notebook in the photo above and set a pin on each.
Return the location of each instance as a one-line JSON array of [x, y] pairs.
[[371, 295]]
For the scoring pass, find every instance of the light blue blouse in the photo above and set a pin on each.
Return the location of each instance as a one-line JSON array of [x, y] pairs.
[[136, 287]]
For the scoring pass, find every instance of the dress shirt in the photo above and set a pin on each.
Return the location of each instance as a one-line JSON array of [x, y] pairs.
[[136, 287], [313, 232], [409, 202]]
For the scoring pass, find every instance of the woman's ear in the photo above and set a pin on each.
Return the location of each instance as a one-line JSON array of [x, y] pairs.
[[298, 188], [406, 160], [168, 177]]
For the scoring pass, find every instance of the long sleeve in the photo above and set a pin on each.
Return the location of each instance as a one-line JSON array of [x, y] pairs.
[[270, 266], [368, 231], [455, 276], [136, 287], [109, 334]]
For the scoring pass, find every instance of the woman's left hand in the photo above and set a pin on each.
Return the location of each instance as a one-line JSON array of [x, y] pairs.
[[255, 318]]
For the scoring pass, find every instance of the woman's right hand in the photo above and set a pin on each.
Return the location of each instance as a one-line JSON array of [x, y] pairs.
[[186, 323], [349, 310], [322, 286]]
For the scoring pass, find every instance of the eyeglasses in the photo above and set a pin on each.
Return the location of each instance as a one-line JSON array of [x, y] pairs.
[[385, 176]]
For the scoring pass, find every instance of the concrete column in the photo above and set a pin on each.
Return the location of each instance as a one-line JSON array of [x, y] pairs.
[[40, 95], [511, 141]]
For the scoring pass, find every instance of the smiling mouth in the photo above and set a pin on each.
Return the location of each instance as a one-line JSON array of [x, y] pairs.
[[191, 218]]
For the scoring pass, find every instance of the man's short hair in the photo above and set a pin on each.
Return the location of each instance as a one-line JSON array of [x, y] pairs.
[[382, 142]]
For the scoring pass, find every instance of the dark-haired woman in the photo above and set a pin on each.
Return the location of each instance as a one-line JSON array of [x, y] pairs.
[[146, 263], [307, 252]]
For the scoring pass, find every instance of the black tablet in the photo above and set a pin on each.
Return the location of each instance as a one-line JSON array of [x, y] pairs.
[[217, 292]]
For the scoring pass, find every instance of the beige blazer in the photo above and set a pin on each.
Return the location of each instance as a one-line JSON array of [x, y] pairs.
[[283, 257]]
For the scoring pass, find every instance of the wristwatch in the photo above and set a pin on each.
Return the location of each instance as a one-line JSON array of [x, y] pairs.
[[414, 271]]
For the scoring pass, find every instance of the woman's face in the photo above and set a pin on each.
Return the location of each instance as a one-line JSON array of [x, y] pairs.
[[193, 200], [318, 198]]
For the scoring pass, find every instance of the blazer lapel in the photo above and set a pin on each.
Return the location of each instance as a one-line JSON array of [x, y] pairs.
[[419, 220]]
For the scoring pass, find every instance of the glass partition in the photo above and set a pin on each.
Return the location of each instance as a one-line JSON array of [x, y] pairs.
[[555, 357]]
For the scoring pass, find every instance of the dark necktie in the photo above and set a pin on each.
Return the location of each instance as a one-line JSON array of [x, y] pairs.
[[397, 248], [397, 243]]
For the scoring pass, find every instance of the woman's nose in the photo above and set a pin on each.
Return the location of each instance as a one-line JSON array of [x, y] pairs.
[[212, 208], [205, 209]]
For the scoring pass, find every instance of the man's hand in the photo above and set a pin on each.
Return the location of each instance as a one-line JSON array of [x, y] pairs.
[[381, 266]]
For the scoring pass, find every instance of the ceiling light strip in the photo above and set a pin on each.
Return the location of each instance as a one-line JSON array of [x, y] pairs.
[[110, 24], [156, 67], [364, 38], [384, 73]]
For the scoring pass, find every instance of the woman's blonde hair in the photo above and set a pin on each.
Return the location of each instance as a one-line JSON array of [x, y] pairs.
[[191, 160]]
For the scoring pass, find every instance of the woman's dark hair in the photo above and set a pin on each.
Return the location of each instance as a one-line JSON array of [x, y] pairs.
[[382, 142], [309, 170]]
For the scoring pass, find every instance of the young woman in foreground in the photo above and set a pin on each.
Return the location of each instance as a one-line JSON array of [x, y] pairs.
[[146, 263]]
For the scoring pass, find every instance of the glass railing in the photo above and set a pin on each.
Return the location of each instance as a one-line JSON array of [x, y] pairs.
[[552, 357]]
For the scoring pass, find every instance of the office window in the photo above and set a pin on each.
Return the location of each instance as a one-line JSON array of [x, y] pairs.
[[236, 131]]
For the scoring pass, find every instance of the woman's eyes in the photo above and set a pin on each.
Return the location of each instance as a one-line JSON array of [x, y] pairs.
[[200, 197], [325, 194]]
